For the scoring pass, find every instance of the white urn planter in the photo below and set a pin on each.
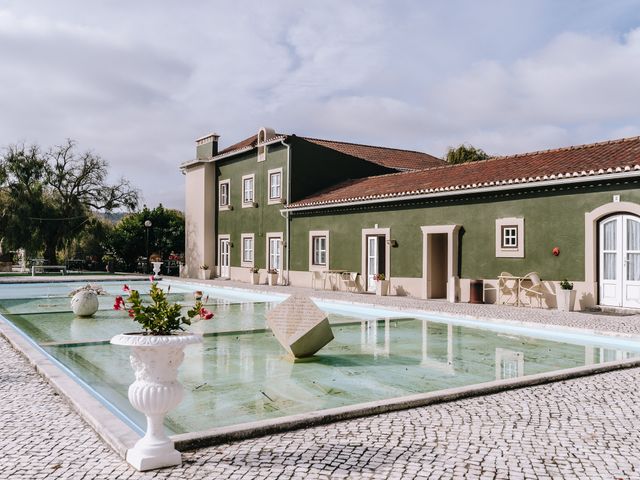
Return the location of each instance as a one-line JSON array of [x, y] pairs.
[[84, 303], [205, 274], [155, 360], [566, 300], [156, 268], [382, 287], [255, 278], [273, 279]]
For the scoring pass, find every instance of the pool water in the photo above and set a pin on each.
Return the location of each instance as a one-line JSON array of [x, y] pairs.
[[241, 374]]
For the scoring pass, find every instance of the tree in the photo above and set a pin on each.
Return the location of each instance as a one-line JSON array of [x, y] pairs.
[[464, 154], [127, 240], [51, 196]]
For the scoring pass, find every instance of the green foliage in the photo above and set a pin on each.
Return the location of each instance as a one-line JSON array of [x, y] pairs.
[[127, 240], [49, 198], [464, 154], [566, 285], [161, 317]]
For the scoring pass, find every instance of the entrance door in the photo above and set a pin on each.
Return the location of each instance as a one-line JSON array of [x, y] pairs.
[[375, 259], [274, 253], [224, 258], [620, 261]]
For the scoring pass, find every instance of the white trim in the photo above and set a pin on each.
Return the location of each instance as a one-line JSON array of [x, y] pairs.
[[227, 206], [250, 203], [452, 257], [507, 252], [387, 252], [274, 200], [279, 236], [224, 236], [253, 241], [463, 190], [312, 266]]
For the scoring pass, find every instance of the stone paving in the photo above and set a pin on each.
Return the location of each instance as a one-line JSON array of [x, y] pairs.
[[583, 428]]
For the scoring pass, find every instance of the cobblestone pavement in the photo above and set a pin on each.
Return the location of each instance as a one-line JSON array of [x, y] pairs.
[[583, 428]]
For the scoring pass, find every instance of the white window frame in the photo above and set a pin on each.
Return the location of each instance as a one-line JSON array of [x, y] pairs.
[[243, 260], [509, 236], [227, 205], [516, 251], [278, 199], [249, 203], [313, 234]]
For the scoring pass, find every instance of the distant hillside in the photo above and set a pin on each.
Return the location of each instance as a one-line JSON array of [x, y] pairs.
[[111, 217]]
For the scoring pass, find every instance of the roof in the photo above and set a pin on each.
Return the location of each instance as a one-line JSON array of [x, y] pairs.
[[387, 157], [523, 169]]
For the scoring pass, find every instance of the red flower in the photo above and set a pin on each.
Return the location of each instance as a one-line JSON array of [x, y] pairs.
[[119, 303], [205, 314], [132, 314], [126, 288]]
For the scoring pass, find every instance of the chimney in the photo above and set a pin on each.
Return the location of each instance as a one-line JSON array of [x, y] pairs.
[[207, 146]]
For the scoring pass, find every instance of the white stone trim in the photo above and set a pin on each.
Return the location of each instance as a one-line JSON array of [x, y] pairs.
[[253, 239], [506, 252], [226, 181], [274, 201], [280, 236], [250, 203], [217, 269], [387, 251], [318, 233], [452, 257]]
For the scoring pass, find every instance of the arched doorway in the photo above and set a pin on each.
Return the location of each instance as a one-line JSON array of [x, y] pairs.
[[619, 261]]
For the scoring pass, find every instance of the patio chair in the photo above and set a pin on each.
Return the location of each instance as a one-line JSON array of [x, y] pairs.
[[507, 287], [532, 287], [349, 280], [318, 278]]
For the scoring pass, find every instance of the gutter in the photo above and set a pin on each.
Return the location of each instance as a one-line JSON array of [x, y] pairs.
[[470, 191], [285, 213]]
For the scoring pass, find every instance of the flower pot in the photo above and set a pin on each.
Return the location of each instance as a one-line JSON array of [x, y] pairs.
[[382, 287], [155, 360], [84, 303], [205, 274], [255, 278], [156, 268], [566, 299], [273, 279]]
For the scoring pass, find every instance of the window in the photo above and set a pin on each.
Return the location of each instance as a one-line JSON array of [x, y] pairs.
[[275, 185], [247, 190], [318, 250], [224, 194], [247, 249], [510, 237]]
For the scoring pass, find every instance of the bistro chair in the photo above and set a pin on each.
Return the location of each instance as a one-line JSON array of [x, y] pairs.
[[532, 287], [507, 289], [349, 280], [318, 278]]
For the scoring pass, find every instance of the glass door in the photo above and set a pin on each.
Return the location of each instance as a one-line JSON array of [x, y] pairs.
[[372, 262], [631, 255], [274, 253], [224, 258]]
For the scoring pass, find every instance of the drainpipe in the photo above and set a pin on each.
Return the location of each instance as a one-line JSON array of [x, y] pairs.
[[285, 213]]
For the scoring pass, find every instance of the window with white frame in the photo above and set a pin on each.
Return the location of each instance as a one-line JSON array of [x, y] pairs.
[[247, 240], [275, 185], [510, 237], [318, 250], [224, 194], [248, 190]]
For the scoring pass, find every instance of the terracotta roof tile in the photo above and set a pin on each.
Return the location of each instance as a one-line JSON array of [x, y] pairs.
[[557, 164], [387, 157]]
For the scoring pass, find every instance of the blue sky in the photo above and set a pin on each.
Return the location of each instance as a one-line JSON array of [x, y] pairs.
[[138, 82]]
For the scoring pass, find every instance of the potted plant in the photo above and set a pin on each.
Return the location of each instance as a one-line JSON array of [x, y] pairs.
[[272, 276], [205, 273], [156, 354], [254, 273], [382, 285], [84, 301], [566, 296]]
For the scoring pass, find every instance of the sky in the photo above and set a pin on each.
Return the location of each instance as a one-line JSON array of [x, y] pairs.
[[138, 82]]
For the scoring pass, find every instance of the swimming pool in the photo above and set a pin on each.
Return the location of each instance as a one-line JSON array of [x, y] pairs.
[[240, 373]]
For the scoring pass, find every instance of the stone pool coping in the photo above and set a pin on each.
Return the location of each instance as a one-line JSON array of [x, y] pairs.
[[120, 436]]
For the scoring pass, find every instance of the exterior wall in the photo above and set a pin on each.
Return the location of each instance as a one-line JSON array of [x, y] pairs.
[[199, 218], [259, 220], [552, 218]]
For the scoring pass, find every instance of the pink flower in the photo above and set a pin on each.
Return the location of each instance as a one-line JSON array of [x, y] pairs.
[[119, 303], [205, 314], [126, 288], [132, 314], [152, 278]]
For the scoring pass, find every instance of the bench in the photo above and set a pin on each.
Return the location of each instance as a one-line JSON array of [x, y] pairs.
[[42, 268]]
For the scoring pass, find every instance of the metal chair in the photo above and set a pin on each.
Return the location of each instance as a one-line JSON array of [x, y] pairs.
[[349, 280], [535, 290], [507, 287]]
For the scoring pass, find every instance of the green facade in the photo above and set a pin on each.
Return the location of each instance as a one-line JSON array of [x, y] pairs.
[[554, 217]]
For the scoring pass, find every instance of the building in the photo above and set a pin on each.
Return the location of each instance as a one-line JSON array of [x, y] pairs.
[[300, 205]]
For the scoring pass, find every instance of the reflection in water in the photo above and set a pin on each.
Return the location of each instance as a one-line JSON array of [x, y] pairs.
[[370, 337], [509, 364], [446, 366]]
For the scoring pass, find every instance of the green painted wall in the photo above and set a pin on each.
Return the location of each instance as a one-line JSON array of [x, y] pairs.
[[553, 218], [265, 218]]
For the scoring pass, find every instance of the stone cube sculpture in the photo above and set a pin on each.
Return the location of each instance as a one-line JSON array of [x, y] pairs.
[[300, 326]]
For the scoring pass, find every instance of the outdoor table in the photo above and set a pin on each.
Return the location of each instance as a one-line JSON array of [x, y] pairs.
[[518, 281]]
